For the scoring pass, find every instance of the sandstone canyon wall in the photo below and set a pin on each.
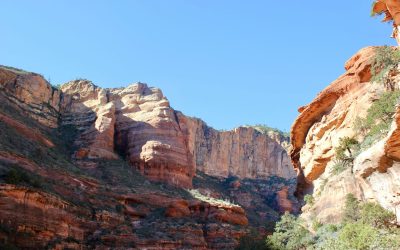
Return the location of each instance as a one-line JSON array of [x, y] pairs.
[[84, 167], [374, 175], [163, 143]]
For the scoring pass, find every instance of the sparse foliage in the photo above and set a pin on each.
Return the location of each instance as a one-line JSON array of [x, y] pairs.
[[365, 226], [267, 129], [351, 209], [378, 119], [18, 176], [344, 154], [383, 64], [376, 216], [309, 199], [289, 234], [357, 236]]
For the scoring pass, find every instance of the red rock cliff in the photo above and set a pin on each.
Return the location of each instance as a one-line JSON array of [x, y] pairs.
[[70, 162], [138, 122], [316, 133]]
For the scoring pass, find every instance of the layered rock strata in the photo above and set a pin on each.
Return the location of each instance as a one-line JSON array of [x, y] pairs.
[[71, 155], [138, 123], [30, 93]]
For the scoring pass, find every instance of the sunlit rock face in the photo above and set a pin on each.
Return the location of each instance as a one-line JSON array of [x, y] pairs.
[[316, 133], [86, 108], [138, 123], [111, 168], [30, 93], [391, 11], [242, 152]]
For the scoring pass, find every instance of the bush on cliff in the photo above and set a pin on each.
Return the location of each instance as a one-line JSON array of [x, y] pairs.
[[382, 110], [376, 216], [385, 61], [289, 234], [344, 154], [267, 129], [351, 212], [379, 117], [17, 176], [309, 199]]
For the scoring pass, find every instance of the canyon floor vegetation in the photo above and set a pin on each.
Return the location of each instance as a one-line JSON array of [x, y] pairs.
[[365, 225]]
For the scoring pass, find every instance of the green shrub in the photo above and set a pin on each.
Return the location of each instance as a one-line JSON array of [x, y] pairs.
[[365, 226], [385, 61], [18, 176], [55, 86], [351, 211], [289, 234], [323, 185], [339, 167], [267, 129], [376, 216], [309, 199], [316, 224], [344, 154], [15, 70], [360, 126], [357, 236], [382, 110], [378, 120]]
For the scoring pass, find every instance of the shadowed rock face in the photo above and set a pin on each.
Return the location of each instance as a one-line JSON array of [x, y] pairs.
[[316, 133]]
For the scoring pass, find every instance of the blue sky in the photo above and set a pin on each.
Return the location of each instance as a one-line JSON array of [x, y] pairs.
[[228, 62]]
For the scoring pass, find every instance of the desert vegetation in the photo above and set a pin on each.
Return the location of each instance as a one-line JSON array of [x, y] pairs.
[[383, 64], [364, 226], [378, 119], [267, 129]]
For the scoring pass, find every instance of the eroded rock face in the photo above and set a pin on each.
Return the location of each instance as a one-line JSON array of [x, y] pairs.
[[45, 217], [330, 116], [391, 11], [35, 220], [75, 152], [316, 133], [165, 145], [86, 108], [30, 93], [72, 156], [138, 123], [242, 152]]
